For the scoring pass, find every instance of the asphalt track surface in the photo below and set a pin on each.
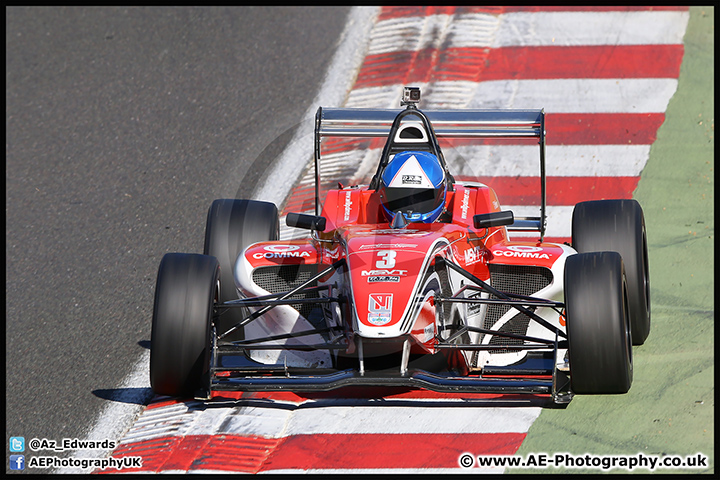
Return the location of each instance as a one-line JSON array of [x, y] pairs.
[[122, 126]]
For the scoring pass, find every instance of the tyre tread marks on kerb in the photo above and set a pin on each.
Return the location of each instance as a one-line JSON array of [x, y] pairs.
[[597, 324]]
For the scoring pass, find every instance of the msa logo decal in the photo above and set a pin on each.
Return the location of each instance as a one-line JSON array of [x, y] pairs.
[[522, 251], [380, 309], [348, 205], [411, 175], [281, 251], [465, 206], [412, 180]]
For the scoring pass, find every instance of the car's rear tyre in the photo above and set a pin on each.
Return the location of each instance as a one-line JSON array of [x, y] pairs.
[[180, 344], [233, 225], [619, 226], [598, 327]]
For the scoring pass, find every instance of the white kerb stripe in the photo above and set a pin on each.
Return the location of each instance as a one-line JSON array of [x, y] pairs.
[[479, 30], [577, 95], [591, 28], [407, 420], [274, 422], [593, 95]]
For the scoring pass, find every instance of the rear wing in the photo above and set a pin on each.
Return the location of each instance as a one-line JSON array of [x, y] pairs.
[[495, 123]]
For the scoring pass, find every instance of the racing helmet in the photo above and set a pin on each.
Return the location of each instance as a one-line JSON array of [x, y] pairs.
[[413, 183]]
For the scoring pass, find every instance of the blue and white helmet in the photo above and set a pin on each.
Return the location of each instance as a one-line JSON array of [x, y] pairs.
[[413, 183]]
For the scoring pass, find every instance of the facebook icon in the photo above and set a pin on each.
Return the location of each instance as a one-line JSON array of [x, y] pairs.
[[17, 462]]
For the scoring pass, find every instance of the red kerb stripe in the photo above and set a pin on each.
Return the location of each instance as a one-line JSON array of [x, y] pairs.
[[520, 63], [235, 453], [252, 454], [585, 129], [416, 451], [601, 61]]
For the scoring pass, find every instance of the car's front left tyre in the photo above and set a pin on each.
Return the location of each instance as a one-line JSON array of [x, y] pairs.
[[180, 345]]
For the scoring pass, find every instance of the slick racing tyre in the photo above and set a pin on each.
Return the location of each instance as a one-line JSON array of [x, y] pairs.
[[233, 225], [619, 226], [180, 344], [598, 327]]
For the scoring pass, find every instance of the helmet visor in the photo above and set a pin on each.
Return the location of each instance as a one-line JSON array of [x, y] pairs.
[[415, 200]]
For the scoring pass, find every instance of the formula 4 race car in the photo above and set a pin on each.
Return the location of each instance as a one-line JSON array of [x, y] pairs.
[[411, 281]]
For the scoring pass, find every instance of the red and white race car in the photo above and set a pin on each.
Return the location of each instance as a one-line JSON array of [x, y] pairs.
[[410, 281]]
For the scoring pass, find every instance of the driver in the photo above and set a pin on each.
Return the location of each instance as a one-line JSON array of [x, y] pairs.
[[413, 183]]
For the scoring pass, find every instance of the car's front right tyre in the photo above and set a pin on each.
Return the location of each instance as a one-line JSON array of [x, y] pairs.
[[619, 226], [598, 323], [232, 226]]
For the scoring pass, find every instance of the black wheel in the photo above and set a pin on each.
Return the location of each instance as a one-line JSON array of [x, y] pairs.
[[619, 226], [233, 225], [598, 327], [185, 294]]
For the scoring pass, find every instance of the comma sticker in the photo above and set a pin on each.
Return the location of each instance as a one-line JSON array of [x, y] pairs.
[[522, 251]]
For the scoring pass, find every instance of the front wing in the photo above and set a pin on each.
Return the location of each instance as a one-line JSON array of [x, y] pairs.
[[541, 373]]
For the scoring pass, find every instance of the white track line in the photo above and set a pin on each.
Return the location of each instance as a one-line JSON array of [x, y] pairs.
[[336, 85], [118, 416]]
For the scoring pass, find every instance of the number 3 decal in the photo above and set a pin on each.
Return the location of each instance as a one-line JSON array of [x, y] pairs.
[[387, 259]]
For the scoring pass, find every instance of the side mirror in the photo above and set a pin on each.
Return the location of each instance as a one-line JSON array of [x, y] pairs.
[[308, 222], [493, 219]]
